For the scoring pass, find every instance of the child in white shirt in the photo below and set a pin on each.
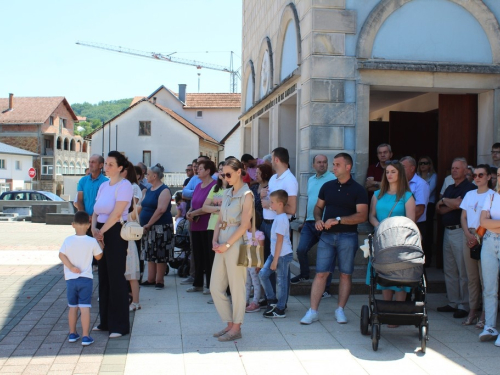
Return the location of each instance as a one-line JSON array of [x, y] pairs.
[[279, 260], [76, 254]]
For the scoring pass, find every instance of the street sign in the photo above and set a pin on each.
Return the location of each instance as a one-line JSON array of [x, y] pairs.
[[32, 172]]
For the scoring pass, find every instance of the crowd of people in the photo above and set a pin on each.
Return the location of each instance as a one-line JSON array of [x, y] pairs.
[[222, 203]]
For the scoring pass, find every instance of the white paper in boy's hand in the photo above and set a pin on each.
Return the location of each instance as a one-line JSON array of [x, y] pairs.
[[366, 248]]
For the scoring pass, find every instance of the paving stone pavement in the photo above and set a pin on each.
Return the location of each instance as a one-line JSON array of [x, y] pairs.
[[172, 333]]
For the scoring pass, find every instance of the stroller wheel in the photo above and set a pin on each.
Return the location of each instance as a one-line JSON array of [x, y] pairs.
[[375, 337], [364, 320], [423, 338]]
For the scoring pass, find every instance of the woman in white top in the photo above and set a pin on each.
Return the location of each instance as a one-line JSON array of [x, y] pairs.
[[471, 206], [112, 203], [490, 260]]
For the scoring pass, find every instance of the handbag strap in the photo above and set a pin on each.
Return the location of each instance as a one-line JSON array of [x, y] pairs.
[[393, 207]]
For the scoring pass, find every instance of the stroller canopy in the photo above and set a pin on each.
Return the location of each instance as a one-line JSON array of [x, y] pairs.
[[398, 254]]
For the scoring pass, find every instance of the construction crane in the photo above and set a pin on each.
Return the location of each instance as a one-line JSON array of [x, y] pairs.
[[235, 74]]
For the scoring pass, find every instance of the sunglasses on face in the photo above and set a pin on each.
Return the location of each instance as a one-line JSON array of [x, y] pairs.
[[480, 175], [389, 162], [424, 163], [188, 170], [226, 175]]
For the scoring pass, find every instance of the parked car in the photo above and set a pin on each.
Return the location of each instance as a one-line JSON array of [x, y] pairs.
[[30, 195]]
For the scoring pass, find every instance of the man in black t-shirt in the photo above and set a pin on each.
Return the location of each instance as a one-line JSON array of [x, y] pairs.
[[455, 274], [342, 205]]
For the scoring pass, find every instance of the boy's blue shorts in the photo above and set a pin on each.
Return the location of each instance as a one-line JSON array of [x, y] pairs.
[[79, 292]]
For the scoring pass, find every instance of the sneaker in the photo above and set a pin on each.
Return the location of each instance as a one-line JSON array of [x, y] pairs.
[[73, 337], [310, 317], [188, 281], [271, 304], [159, 286], [87, 340], [253, 307], [210, 301], [489, 333], [298, 279], [325, 295], [206, 291], [194, 289], [340, 316], [263, 303], [275, 313], [497, 342]]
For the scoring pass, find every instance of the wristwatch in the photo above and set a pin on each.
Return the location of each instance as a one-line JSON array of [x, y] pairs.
[[227, 245], [338, 218]]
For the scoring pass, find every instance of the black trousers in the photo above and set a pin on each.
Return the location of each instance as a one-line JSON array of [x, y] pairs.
[[203, 256], [113, 287]]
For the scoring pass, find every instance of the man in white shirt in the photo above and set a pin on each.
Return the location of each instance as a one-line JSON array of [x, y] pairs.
[[285, 180]]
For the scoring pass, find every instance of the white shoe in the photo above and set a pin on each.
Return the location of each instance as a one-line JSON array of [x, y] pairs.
[[497, 343], [115, 335], [206, 291], [309, 317], [489, 333], [340, 316]]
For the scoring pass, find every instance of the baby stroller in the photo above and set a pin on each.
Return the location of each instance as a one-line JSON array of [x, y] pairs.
[[397, 259], [179, 256]]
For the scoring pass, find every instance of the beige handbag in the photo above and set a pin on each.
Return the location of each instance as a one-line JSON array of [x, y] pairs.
[[251, 255], [131, 230]]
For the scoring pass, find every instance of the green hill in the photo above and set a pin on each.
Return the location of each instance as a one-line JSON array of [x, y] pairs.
[[98, 113]]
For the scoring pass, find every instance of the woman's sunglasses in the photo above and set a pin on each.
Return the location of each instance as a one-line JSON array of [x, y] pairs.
[[480, 175], [424, 163], [226, 175], [389, 162]]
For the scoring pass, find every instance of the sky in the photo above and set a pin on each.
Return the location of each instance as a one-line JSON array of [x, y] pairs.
[[39, 55]]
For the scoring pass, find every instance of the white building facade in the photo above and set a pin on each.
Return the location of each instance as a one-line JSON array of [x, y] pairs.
[[330, 76], [151, 133], [14, 166]]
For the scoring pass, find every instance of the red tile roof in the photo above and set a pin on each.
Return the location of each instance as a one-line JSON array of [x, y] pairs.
[[200, 133], [213, 100], [136, 99], [31, 110]]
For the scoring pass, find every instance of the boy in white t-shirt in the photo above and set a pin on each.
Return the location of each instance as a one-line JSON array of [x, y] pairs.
[[76, 254], [280, 258]]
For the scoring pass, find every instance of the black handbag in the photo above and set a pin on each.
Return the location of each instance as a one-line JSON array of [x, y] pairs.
[[475, 252]]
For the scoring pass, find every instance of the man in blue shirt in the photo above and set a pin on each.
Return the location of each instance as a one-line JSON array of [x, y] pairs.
[[309, 235], [88, 186]]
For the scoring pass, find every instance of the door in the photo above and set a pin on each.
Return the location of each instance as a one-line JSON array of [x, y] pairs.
[[457, 131], [413, 134]]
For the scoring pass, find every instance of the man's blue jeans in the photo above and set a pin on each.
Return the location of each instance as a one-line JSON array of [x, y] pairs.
[[282, 285], [309, 236]]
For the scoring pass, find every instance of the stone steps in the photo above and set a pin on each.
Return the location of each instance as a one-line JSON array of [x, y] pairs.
[[434, 276], [8, 216]]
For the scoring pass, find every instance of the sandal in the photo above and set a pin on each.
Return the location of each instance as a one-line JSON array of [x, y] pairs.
[[481, 323], [147, 283], [221, 333], [134, 306], [230, 337], [471, 320]]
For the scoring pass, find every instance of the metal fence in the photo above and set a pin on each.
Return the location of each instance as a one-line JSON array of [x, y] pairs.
[[174, 178]]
